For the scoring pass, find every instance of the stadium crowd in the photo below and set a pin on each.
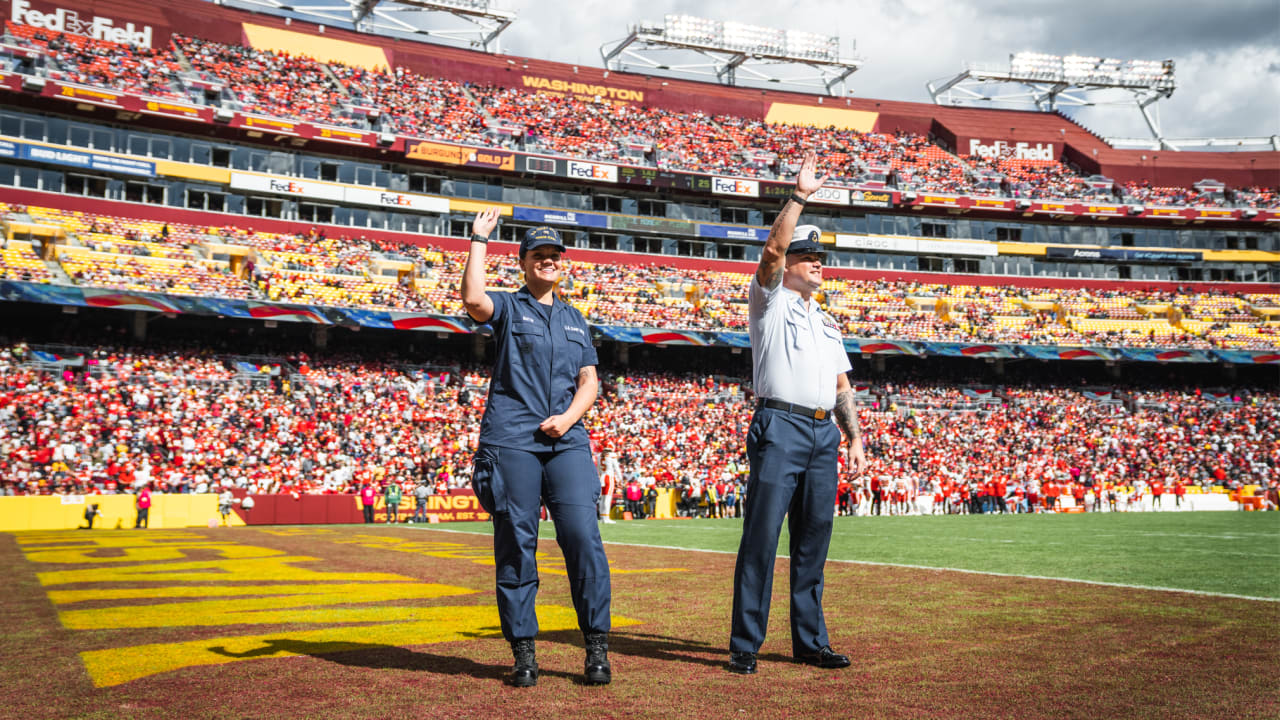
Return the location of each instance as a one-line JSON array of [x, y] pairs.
[[312, 268], [299, 88], [188, 421], [268, 83], [86, 61]]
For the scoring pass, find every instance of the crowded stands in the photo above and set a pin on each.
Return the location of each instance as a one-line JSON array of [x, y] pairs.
[[183, 420], [414, 104], [312, 268], [400, 101], [86, 61], [267, 83]]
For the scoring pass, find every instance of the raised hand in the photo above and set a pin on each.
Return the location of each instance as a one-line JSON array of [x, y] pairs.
[[808, 181], [485, 222]]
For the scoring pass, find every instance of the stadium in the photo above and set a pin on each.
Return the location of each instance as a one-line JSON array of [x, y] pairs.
[[234, 255]]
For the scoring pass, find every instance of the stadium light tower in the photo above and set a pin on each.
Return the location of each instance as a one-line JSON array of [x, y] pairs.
[[729, 49], [1048, 81], [481, 22]]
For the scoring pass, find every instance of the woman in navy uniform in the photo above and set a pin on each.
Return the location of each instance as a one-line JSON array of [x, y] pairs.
[[534, 448]]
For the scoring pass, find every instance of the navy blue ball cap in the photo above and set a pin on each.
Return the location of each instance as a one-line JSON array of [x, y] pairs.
[[539, 236], [805, 240]]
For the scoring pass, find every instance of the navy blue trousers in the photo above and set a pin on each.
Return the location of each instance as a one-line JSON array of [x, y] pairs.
[[793, 473], [512, 485]]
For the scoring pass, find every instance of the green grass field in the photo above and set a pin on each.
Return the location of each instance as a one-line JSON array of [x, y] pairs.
[[364, 622], [1214, 552]]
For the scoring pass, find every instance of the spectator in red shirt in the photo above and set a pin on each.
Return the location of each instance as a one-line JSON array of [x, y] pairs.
[[634, 496], [368, 498], [144, 507], [1157, 490]]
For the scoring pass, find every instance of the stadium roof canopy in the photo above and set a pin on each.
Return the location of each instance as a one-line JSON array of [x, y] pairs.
[[1048, 82], [726, 49], [472, 23]]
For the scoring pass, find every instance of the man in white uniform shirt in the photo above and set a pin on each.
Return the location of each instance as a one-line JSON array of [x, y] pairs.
[[800, 368]]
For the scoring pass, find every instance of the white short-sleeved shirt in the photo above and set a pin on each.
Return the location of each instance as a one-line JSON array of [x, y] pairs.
[[796, 348]]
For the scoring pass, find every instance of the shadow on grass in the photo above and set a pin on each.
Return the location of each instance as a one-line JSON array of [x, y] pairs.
[[380, 656], [663, 647]]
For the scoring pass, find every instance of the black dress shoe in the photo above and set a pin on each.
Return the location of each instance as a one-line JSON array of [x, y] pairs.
[[825, 657], [742, 663]]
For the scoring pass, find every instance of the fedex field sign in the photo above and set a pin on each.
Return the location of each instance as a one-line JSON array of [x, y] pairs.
[[70, 21], [1021, 151]]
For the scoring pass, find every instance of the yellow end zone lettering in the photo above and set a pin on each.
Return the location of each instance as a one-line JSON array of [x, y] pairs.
[[147, 554], [547, 563], [295, 531], [432, 625], [272, 569], [141, 538], [297, 606], [67, 597]]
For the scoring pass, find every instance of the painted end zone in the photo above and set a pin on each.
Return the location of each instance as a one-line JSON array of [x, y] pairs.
[[250, 601], [435, 625], [384, 621]]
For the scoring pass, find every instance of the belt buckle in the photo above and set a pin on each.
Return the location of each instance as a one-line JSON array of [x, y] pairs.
[[819, 414]]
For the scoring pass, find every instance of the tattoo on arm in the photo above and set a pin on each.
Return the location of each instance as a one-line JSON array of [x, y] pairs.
[[586, 374], [847, 415], [778, 243]]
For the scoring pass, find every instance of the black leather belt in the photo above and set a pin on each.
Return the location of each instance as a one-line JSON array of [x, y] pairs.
[[815, 413]]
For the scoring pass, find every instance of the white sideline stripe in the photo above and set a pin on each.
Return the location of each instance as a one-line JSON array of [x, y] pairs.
[[1101, 583], [985, 572]]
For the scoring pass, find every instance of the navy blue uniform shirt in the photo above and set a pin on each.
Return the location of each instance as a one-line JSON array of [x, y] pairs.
[[539, 351]]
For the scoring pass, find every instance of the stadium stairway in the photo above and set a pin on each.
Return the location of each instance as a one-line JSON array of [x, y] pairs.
[[952, 154], [333, 80], [181, 58], [475, 103], [60, 275]]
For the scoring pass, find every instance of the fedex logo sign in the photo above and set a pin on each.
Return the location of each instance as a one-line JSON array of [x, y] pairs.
[[394, 199], [1021, 151], [593, 171], [69, 21], [732, 186], [285, 186]]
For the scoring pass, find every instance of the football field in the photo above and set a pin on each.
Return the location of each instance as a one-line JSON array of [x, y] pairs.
[[1145, 615]]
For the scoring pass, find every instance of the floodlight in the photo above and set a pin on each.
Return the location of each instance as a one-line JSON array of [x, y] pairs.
[[475, 23], [1052, 80], [734, 47]]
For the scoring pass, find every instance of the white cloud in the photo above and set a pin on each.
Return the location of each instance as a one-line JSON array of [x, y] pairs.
[[1227, 93]]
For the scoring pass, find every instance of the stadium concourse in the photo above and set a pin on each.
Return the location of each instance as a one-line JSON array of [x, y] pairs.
[[134, 254], [180, 420], [298, 88]]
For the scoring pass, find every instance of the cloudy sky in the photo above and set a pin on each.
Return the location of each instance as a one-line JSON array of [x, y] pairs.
[[1227, 52]]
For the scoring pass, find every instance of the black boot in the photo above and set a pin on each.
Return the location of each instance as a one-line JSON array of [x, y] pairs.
[[525, 672], [597, 666]]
